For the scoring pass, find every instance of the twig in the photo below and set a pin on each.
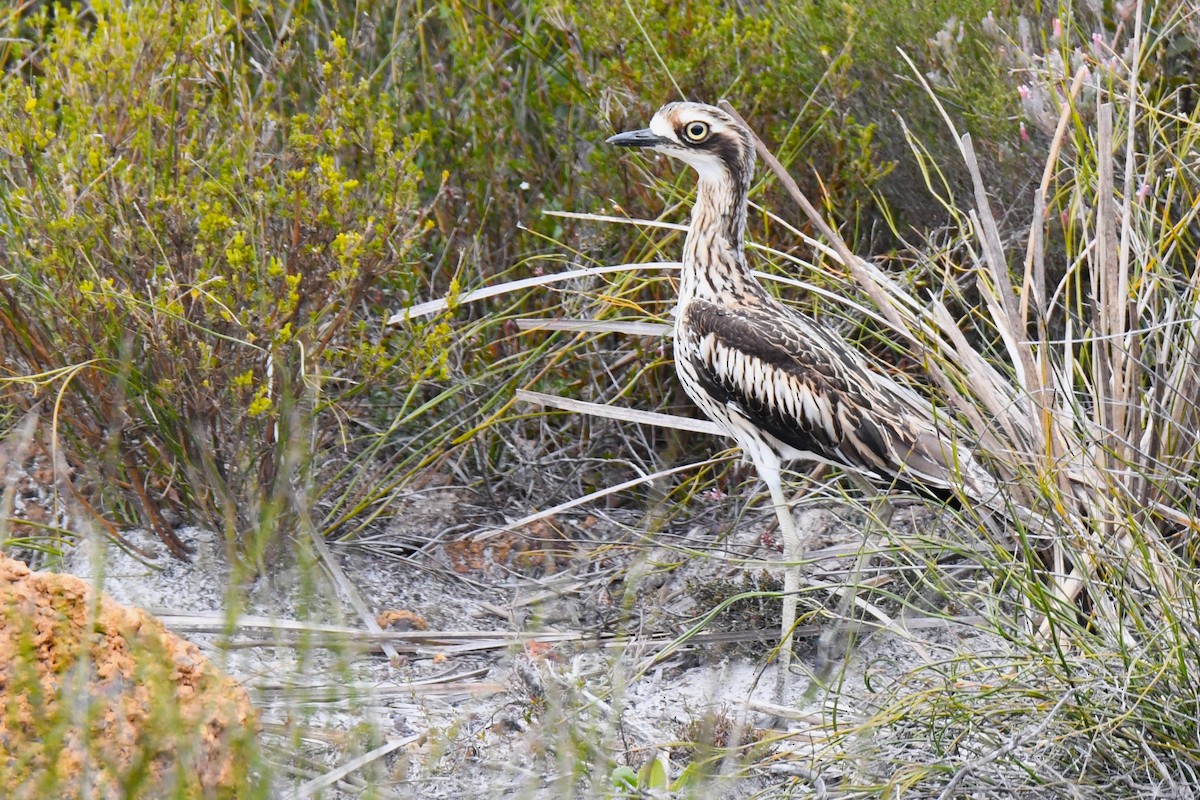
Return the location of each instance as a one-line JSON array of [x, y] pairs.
[[348, 589], [333, 776]]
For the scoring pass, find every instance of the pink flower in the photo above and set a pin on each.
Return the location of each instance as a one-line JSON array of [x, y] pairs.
[[1024, 133], [1057, 28]]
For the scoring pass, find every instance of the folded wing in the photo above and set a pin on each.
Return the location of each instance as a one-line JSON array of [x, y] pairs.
[[802, 384]]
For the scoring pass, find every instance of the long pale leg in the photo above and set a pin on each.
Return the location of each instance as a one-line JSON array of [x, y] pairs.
[[770, 473]]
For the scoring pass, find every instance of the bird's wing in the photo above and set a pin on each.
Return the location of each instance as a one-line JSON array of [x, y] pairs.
[[809, 389]]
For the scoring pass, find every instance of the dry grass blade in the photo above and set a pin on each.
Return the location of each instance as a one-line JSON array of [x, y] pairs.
[[333, 776], [645, 223], [1001, 299], [1033, 284], [623, 414], [595, 326], [437, 306]]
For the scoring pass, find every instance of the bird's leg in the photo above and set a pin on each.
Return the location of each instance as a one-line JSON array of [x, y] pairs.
[[835, 640], [791, 572]]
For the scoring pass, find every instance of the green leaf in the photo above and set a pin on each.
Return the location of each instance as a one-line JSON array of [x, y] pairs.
[[624, 777], [654, 775], [689, 775]]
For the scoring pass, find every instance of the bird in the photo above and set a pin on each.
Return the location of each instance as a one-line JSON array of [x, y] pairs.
[[781, 384]]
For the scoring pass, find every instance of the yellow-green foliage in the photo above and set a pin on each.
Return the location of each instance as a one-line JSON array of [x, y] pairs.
[[548, 80], [196, 214]]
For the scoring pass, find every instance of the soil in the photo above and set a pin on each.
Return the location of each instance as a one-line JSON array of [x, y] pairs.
[[522, 664], [142, 685]]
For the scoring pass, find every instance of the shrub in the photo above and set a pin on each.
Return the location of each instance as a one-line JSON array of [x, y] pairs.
[[548, 80], [196, 211]]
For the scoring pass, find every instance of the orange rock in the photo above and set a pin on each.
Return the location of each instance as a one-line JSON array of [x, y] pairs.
[[402, 620], [152, 708]]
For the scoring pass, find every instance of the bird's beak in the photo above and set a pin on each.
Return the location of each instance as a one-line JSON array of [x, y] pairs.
[[642, 138]]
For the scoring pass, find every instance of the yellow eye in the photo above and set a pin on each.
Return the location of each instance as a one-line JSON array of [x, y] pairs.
[[696, 131]]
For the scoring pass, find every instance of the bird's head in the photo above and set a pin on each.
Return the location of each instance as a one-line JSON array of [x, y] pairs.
[[703, 136]]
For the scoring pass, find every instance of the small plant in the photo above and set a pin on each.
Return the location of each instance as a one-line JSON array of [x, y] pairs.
[[752, 603], [653, 779]]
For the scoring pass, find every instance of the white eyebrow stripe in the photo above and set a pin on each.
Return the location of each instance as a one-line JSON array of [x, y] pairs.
[[661, 127]]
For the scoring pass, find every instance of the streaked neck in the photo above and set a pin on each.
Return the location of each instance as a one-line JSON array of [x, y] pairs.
[[714, 261]]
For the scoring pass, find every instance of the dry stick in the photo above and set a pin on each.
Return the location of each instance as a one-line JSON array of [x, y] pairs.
[[162, 529], [1034, 282], [21, 436], [989, 237], [1132, 362], [1138, 484], [1114, 363], [348, 589], [1110, 322], [330, 778], [1111, 311], [1130, 453]]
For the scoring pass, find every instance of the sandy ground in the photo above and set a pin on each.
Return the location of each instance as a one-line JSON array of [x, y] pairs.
[[515, 681]]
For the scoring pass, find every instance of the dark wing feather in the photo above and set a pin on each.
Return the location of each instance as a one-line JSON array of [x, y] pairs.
[[804, 385]]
